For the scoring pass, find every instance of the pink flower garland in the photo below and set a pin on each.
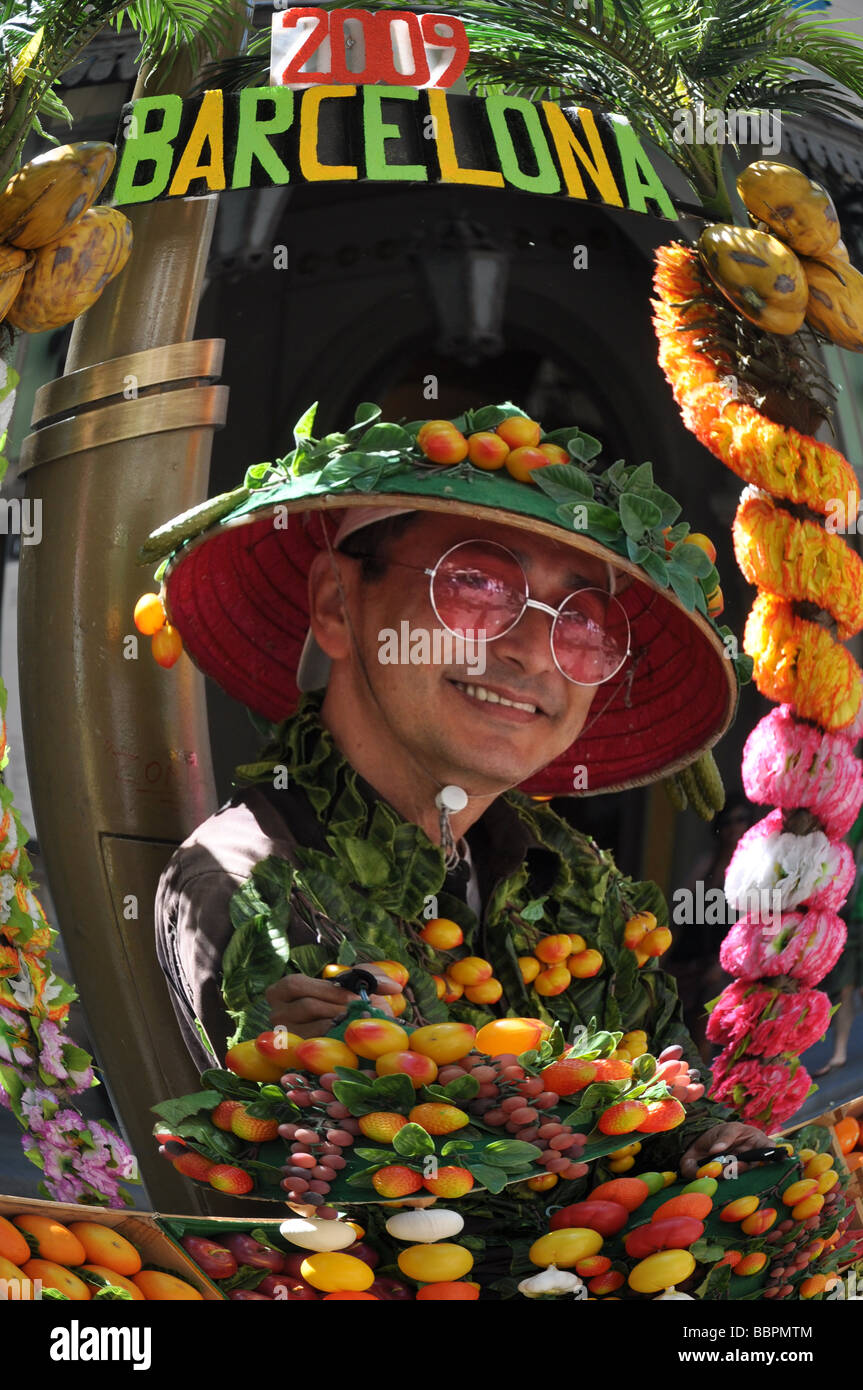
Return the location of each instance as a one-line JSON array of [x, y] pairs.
[[787, 876], [805, 946], [789, 763]]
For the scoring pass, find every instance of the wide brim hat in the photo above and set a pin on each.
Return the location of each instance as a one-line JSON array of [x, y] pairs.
[[235, 571]]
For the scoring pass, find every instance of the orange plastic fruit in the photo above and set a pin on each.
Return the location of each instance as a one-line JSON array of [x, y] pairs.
[[56, 1242], [442, 933], [627, 1192], [553, 949], [118, 1281], [847, 1131], [149, 614], [165, 1288], [54, 1276], [518, 430], [486, 992], [443, 1042], [167, 646], [509, 1035], [695, 1204], [13, 1246], [105, 1246]]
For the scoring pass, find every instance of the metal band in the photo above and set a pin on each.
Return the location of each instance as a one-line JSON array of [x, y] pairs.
[[201, 358], [108, 424]]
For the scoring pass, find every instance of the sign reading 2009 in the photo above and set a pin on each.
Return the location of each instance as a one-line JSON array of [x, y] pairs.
[[370, 104]]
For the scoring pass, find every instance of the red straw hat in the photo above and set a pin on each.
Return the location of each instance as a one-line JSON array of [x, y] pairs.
[[235, 580]]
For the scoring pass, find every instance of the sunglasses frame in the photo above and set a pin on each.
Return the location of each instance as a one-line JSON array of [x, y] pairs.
[[554, 613]]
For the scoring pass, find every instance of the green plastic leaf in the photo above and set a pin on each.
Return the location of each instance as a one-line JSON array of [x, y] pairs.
[[175, 1111], [305, 424], [563, 482], [385, 435], [494, 1179], [641, 479], [393, 1092], [365, 414], [602, 518], [685, 587], [347, 953], [637, 553], [412, 1141], [461, 1088], [535, 910], [656, 567], [638, 515], [705, 1252], [490, 416], [359, 1099], [693, 559], [456, 1146], [510, 1153]]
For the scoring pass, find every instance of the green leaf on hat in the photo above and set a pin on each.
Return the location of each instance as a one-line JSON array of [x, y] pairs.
[[671, 509], [510, 1153], [412, 1141], [684, 586], [563, 482], [384, 435], [641, 479], [365, 413], [657, 567], [638, 514], [303, 427], [693, 559], [637, 553], [488, 417], [601, 518]]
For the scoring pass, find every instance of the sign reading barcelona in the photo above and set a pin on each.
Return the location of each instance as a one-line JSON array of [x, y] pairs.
[[386, 133]]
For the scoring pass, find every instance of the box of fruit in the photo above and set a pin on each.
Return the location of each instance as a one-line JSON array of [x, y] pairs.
[[59, 1250]]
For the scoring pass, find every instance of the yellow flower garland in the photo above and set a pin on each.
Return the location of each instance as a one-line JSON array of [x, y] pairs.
[[798, 663], [799, 560], [775, 458]]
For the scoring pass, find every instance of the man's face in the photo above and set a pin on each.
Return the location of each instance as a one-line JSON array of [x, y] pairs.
[[480, 744]]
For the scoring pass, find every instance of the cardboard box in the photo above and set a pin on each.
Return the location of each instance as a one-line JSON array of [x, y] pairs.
[[141, 1228]]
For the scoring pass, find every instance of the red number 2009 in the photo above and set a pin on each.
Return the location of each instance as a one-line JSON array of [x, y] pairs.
[[380, 32]]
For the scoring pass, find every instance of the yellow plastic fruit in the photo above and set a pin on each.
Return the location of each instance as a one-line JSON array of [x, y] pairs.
[[806, 1154], [635, 1042], [668, 1177], [565, 1247], [798, 1190], [835, 306], [13, 264], [621, 1165], [793, 206], [818, 1164], [529, 967], [807, 1206], [332, 1271], [660, 1271], [68, 275], [433, 1264], [739, 1208], [758, 274], [828, 1180], [50, 193]]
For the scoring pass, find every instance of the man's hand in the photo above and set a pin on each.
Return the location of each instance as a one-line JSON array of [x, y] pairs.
[[722, 1139], [307, 1006]]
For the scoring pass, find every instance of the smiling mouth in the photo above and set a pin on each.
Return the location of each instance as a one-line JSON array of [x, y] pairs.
[[484, 694]]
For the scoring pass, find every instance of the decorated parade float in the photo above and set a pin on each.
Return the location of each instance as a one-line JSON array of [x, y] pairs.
[[513, 1131]]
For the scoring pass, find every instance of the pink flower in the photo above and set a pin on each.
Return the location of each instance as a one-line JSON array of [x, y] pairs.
[[791, 1023], [737, 1011], [761, 1092], [804, 946], [791, 764], [51, 1050]]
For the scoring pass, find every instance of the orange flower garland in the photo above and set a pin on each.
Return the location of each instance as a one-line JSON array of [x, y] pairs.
[[776, 458], [798, 663], [799, 560]]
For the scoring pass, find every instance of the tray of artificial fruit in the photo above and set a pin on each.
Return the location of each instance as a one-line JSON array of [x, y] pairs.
[[374, 1113]]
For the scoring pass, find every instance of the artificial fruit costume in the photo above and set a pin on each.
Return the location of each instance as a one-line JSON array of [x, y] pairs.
[[308, 867]]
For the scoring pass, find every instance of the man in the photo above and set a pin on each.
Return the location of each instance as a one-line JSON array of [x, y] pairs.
[[392, 790]]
